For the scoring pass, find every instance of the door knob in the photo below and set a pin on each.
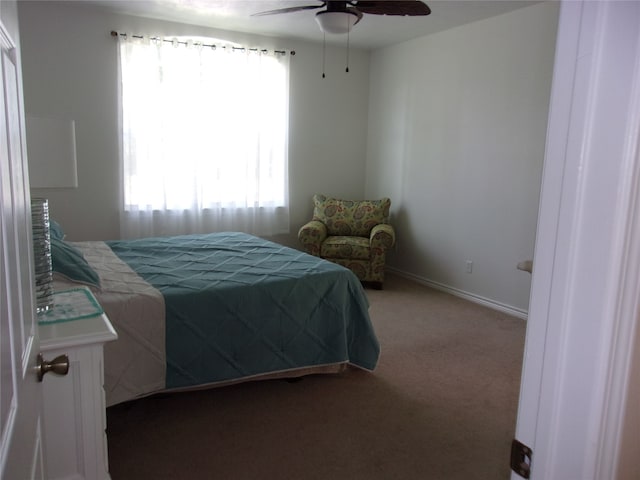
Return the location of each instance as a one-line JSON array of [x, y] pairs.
[[59, 365]]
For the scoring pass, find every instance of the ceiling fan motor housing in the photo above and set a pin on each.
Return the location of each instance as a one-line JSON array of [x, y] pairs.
[[336, 21]]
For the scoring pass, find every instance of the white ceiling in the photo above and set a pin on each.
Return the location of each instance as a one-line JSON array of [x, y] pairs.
[[373, 31]]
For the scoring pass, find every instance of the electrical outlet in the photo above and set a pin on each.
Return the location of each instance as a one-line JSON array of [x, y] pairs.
[[469, 266]]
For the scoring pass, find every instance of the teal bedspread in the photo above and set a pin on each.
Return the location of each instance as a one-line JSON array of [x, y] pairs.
[[238, 306]]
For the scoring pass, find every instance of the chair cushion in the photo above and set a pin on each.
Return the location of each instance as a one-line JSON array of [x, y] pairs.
[[356, 248], [350, 217]]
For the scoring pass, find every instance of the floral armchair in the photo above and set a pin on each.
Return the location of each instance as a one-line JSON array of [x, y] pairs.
[[354, 234]]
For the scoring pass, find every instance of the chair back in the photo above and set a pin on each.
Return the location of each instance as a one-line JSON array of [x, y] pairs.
[[350, 217]]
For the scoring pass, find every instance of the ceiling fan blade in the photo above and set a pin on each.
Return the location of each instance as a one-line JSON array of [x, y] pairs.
[[393, 7], [289, 10], [357, 12]]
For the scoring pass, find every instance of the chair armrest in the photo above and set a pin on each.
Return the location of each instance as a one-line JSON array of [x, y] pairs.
[[382, 236], [311, 235]]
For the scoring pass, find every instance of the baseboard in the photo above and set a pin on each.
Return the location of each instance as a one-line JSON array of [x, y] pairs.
[[472, 297]]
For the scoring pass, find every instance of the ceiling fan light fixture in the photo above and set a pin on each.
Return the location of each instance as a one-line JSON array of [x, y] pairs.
[[336, 22]]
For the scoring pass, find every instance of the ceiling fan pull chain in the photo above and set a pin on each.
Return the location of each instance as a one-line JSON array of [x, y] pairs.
[[324, 40], [348, 36]]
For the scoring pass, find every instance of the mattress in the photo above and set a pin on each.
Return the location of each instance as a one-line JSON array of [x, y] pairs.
[[134, 364], [204, 310]]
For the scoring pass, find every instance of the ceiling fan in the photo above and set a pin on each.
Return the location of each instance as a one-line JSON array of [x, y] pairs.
[[341, 16]]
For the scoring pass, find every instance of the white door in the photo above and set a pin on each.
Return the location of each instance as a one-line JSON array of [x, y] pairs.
[[585, 289], [20, 393]]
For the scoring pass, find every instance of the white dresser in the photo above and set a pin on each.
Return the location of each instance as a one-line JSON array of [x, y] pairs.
[[74, 409]]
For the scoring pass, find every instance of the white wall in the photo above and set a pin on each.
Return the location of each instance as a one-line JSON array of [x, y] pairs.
[[69, 65], [8, 14], [457, 124], [450, 126]]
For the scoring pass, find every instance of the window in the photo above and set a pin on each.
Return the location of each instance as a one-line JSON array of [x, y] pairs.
[[204, 138]]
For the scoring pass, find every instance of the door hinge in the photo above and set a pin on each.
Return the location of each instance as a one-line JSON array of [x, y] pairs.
[[521, 458]]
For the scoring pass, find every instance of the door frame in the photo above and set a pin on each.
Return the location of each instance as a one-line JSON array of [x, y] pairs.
[[585, 290]]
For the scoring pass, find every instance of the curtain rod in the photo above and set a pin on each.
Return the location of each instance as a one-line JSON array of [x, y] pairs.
[[283, 52]]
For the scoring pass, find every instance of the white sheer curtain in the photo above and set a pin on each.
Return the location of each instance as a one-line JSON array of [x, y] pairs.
[[204, 138]]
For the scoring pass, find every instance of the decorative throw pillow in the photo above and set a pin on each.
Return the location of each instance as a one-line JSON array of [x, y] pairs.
[[350, 217], [68, 261], [56, 230]]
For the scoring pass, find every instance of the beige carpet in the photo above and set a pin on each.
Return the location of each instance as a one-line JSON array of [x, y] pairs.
[[441, 405]]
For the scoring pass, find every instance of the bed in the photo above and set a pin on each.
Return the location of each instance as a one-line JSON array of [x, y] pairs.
[[197, 311]]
